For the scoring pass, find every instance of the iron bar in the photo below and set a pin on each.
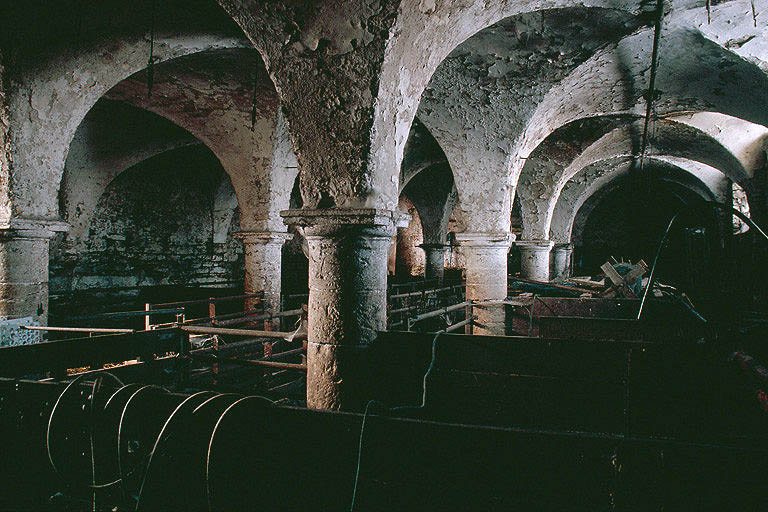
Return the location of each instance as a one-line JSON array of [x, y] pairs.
[[76, 329], [651, 93], [199, 329], [249, 362]]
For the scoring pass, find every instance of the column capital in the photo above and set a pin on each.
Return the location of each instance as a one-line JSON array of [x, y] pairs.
[[485, 239], [402, 219], [562, 246], [21, 228], [331, 222], [263, 237], [535, 245]]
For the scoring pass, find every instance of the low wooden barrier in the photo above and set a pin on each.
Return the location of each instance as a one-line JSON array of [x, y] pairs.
[[598, 318], [58, 356], [220, 460]]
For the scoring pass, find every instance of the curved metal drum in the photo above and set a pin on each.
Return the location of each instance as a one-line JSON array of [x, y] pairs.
[[175, 478]]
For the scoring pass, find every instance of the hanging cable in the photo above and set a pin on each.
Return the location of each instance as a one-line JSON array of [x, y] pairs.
[[712, 204], [651, 93], [151, 59], [392, 409]]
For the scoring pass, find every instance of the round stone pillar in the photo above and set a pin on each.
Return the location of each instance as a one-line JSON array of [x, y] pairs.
[[561, 261], [534, 259], [434, 267], [485, 257], [24, 257], [263, 256], [348, 251]]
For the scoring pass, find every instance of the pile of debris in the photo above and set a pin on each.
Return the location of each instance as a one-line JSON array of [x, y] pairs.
[[619, 279]]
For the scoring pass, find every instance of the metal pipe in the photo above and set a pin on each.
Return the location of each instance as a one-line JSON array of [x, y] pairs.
[[250, 362], [458, 325], [213, 299], [199, 329], [438, 312], [76, 329], [129, 314], [652, 81]]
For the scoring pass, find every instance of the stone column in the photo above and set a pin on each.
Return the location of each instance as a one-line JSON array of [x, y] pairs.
[[347, 298], [561, 261], [24, 260], [534, 259], [485, 256], [435, 261], [263, 256]]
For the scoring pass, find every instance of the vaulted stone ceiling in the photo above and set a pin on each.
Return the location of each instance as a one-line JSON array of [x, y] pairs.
[[504, 102], [498, 109]]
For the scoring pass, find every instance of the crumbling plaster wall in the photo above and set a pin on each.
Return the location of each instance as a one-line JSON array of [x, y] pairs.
[[153, 225], [358, 68], [5, 137], [425, 33], [324, 58], [112, 138], [706, 181]]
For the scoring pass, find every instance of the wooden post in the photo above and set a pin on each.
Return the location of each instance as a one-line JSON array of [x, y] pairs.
[[147, 325], [212, 310]]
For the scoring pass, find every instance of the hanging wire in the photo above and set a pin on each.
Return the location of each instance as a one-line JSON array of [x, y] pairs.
[[151, 59], [399, 408], [664, 237], [650, 94]]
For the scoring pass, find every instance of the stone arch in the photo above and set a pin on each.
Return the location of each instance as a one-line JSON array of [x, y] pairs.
[[216, 107], [543, 176], [703, 179], [51, 98], [105, 144], [434, 30], [478, 99], [694, 73]]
